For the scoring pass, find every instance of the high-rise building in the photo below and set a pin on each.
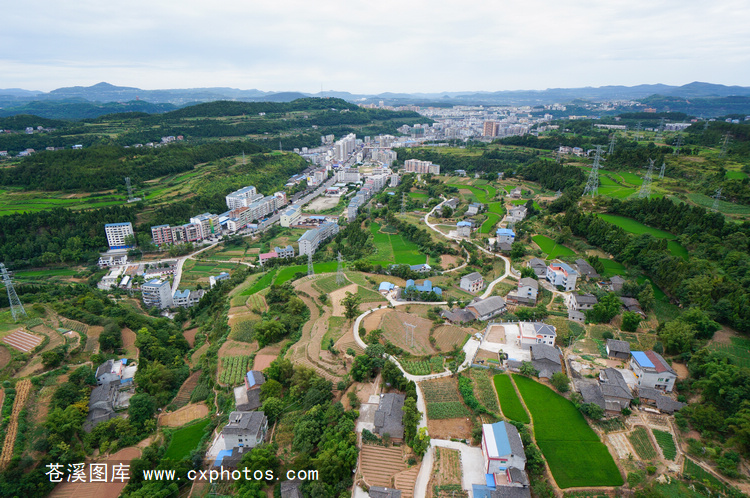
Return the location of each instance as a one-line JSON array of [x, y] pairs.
[[242, 197], [491, 128], [157, 293], [116, 234], [417, 166]]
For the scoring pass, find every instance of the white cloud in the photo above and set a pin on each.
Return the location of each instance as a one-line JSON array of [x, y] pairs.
[[374, 46]]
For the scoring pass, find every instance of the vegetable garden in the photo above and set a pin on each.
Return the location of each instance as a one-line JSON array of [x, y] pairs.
[[642, 443], [666, 442], [234, 369], [442, 400]]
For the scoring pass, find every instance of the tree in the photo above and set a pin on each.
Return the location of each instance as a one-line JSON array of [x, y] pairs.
[[606, 309], [677, 336], [421, 442], [560, 381], [273, 407], [411, 419], [527, 369], [142, 409], [630, 321], [592, 411], [351, 305]]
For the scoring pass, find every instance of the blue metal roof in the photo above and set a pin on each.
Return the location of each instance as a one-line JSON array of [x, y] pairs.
[[481, 491], [463, 224], [386, 286], [489, 479], [501, 439], [506, 231], [117, 224], [642, 359], [220, 457]]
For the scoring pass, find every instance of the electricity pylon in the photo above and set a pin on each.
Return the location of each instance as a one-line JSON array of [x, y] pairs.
[[592, 185], [645, 191], [16, 308]]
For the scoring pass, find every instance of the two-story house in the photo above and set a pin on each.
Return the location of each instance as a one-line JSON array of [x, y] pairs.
[[246, 429], [473, 282], [652, 370], [559, 273]]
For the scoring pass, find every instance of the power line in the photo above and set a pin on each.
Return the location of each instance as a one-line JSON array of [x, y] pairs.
[[661, 171], [16, 307], [612, 142], [592, 185]]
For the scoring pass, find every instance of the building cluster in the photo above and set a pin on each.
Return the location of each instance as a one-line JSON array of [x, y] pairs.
[[648, 377], [278, 252], [373, 185], [157, 293], [246, 427], [423, 167], [114, 388], [311, 239]]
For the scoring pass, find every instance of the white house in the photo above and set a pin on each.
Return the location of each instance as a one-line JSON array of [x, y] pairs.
[[559, 273], [290, 216], [157, 293], [533, 333], [502, 448], [473, 282], [579, 302], [652, 370], [505, 235], [484, 309], [463, 228], [246, 429], [527, 292]]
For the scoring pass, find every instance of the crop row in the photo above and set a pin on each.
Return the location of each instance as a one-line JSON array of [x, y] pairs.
[[485, 389], [436, 392], [666, 442], [450, 409], [234, 369], [642, 444]]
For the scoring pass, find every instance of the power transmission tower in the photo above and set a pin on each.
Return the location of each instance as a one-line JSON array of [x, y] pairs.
[[130, 191], [16, 308], [660, 130], [280, 148], [716, 197], [310, 269], [705, 125], [677, 145], [408, 327], [340, 278], [638, 128], [592, 185], [612, 142], [558, 156], [724, 146], [661, 171], [645, 191], [558, 193]]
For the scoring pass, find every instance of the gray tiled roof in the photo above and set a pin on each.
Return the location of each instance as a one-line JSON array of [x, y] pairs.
[[618, 346], [381, 492], [514, 438], [544, 329], [248, 400], [105, 367], [488, 306], [585, 298], [245, 421], [545, 352], [667, 404], [536, 262], [290, 489], [518, 475], [472, 277], [389, 416], [528, 282], [614, 385], [510, 492], [592, 393]]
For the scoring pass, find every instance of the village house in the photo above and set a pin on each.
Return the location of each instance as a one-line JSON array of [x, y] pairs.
[[245, 429], [474, 208], [616, 283], [652, 371], [484, 309], [504, 462], [585, 269], [389, 416], [560, 274], [247, 396], [546, 359], [457, 316], [516, 214], [615, 390], [473, 282], [581, 302], [631, 304], [656, 398], [463, 228], [527, 292], [618, 349], [539, 267], [505, 235], [533, 333]]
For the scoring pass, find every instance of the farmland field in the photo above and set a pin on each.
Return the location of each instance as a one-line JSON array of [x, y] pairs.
[[633, 226], [697, 472], [288, 273], [612, 267], [724, 206], [735, 175], [489, 224], [393, 248], [261, 284], [233, 369], [666, 442], [483, 388], [573, 451], [447, 336], [185, 440], [738, 350], [642, 443], [509, 402], [551, 248], [442, 399]]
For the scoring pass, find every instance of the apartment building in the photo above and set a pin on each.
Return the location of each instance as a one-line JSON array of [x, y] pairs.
[[157, 293], [417, 166], [242, 197], [117, 233], [311, 239]]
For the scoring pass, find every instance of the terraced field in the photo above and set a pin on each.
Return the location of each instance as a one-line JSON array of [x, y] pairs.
[[379, 464], [551, 248], [442, 399], [633, 226], [642, 443]]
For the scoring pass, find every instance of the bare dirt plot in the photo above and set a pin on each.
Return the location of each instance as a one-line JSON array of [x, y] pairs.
[[681, 369], [186, 390], [32, 367], [22, 341], [196, 356], [394, 330], [448, 261], [372, 321], [448, 336], [379, 464], [724, 335], [190, 336], [621, 445], [92, 338], [4, 356], [22, 393], [447, 428], [496, 334], [128, 343], [447, 468], [338, 295], [55, 338], [236, 348], [322, 203], [186, 414], [263, 361]]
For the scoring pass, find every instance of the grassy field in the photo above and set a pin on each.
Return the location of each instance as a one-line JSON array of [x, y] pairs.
[[658, 293], [261, 284], [551, 248], [633, 226], [489, 225], [573, 451], [612, 267], [738, 351], [735, 175], [509, 402], [185, 440], [287, 273], [697, 472], [724, 206], [393, 248]]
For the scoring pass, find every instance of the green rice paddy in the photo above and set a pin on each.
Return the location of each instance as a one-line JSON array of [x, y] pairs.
[[633, 226], [185, 440], [393, 248], [509, 402], [551, 248], [575, 455]]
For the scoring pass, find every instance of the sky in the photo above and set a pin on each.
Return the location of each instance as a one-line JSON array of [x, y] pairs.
[[373, 47]]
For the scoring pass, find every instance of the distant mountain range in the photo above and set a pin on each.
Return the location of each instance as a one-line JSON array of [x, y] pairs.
[[105, 92]]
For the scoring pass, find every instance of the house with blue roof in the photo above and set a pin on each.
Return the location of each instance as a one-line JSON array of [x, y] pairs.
[[505, 235], [386, 287], [504, 462], [425, 287], [463, 228]]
